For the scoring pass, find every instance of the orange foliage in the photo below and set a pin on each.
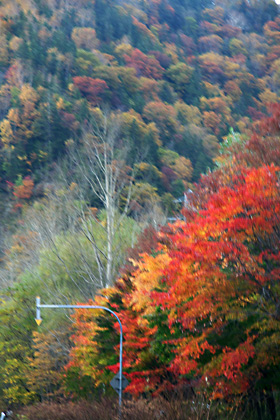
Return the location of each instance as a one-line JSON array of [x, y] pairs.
[[272, 31], [233, 90], [90, 87], [214, 272], [24, 191], [212, 65], [211, 42], [212, 121], [207, 273], [144, 65], [150, 89]]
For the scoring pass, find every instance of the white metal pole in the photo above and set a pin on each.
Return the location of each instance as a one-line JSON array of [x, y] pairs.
[[38, 319]]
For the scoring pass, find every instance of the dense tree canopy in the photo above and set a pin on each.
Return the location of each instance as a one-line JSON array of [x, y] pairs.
[[201, 307], [113, 116]]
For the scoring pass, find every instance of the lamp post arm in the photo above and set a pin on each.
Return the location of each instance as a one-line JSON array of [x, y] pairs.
[[38, 319]]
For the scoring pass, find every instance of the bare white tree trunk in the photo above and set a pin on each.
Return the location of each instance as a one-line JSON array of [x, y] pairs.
[[101, 163], [65, 222]]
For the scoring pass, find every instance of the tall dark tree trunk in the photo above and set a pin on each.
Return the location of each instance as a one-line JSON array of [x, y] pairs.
[[258, 407], [271, 405]]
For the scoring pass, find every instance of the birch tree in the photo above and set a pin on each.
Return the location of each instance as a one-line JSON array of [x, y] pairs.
[[100, 169]]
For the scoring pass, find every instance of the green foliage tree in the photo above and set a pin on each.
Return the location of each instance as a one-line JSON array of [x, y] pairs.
[[17, 324]]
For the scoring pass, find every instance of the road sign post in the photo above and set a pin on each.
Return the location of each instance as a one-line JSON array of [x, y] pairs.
[[38, 319], [115, 382]]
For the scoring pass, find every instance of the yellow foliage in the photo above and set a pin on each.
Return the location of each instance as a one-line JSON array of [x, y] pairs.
[[215, 15], [28, 97], [231, 69], [217, 104], [268, 96], [145, 193], [60, 104], [6, 132], [15, 43], [9, 8], [122, 49], [171, 50], [73, 185], [188, 113], [146, 168], [21, 157], [236, 46], [146, 279], [153, 129], [85, 38], [212, 57], [43, 374], [212, 90], [26, 5], [130, 82], [97, 114], [183, 168], [42, 155], [129, 117]]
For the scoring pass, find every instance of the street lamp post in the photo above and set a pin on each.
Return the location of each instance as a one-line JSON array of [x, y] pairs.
[[38, 319]]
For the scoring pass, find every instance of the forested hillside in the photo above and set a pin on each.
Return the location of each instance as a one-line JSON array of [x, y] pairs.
[[117, 117], [179, 73]]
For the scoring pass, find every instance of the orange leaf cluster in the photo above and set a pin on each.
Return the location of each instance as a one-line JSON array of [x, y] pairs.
[[207, 275]]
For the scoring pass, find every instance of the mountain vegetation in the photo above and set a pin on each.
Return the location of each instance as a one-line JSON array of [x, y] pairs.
[[139, 170]]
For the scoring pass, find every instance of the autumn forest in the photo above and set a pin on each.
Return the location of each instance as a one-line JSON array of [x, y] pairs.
[[139, 171]]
